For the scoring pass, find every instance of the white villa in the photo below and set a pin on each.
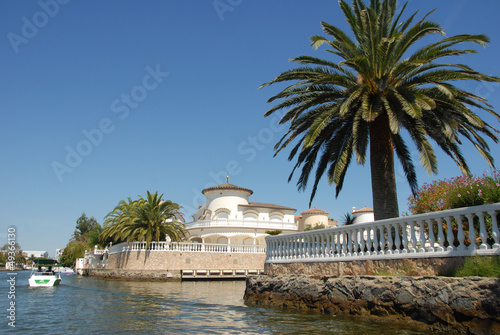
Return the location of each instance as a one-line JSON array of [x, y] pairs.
[[228, 217]]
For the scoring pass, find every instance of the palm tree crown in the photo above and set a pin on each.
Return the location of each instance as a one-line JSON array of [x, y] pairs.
[[146, 219], [378, 89]]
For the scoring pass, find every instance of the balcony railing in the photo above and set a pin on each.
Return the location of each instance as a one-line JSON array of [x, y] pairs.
[[187, 247], [270, 225], [457, 232]]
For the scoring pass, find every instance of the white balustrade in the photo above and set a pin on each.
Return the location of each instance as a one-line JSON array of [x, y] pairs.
[[269, 225], [187, 247], [457, 232]]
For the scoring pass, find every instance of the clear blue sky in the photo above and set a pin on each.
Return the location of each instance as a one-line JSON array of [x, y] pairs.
[[163, 95]]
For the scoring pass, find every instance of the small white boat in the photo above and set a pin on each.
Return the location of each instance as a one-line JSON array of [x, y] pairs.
[[67, 271], [40, 278]]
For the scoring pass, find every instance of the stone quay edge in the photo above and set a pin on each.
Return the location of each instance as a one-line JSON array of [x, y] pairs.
[[469, 305]]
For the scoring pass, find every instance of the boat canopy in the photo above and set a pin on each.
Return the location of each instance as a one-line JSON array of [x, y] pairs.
[[45, 262]]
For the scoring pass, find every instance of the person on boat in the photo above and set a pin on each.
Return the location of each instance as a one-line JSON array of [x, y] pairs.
[[40, 269]]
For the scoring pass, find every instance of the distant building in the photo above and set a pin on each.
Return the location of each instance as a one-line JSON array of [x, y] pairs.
[[35, 254], [313, 218], [363, 215], [59, 253]]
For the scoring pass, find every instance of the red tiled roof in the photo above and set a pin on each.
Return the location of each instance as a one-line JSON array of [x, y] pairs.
[[315, 211], [363, 210]]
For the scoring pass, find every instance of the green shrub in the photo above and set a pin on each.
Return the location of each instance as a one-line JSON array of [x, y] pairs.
[[480, 266], [273, 232]]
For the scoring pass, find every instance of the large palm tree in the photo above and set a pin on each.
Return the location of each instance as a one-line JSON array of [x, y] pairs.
[[381, 86], [147, 219], [116, 221]]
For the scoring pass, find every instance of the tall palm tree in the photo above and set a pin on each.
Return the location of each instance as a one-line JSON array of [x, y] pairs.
[[147, 219], [378, 89]]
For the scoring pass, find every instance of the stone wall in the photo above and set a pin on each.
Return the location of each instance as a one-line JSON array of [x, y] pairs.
[[467, 305], [434, 266], [175, 261]]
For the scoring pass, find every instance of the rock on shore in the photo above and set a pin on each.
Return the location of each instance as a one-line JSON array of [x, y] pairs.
[[466, 305]]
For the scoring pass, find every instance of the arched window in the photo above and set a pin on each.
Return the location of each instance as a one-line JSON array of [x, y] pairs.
[[207, 215], [196, 240], [222, 214], [248, 241], [276, 217], [250, 215], [222, 240]]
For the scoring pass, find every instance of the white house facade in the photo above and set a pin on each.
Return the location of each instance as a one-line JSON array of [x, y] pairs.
[[229, 217]]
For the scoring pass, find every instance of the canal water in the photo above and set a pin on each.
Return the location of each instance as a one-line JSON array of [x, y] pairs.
[[82, 305]]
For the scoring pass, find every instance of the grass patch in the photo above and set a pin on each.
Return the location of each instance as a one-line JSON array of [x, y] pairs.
[[480, 266]]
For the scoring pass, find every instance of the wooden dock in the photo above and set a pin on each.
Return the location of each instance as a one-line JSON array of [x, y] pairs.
[[218, 274]]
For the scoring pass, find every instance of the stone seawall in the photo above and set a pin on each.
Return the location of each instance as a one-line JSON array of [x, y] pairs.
[[177, 265], [466, 305], [176, 260], [434, 266]]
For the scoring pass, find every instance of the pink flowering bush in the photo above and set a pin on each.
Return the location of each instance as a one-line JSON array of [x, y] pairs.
[[456, 192], [462, 191]]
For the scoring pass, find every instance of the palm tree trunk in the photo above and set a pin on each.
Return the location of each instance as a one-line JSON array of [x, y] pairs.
[[385, 198]]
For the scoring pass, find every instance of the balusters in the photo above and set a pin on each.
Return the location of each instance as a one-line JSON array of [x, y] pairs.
[[432, 239], [331, 244], [300, 247], [381, 240], [318, 246], [288, 248], [404, 232], [397, 239], [472, 232], [440, 236], [349, 242], [449, 236], [417, 234], [280, 249], [368, 240], [307, 251], [413, 237], [460, 233], [482, 231], [344, 244], [338, 245], [362, 241], [375, 240], [326, 245], [494, 229], [421, 239], [389, 239]]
